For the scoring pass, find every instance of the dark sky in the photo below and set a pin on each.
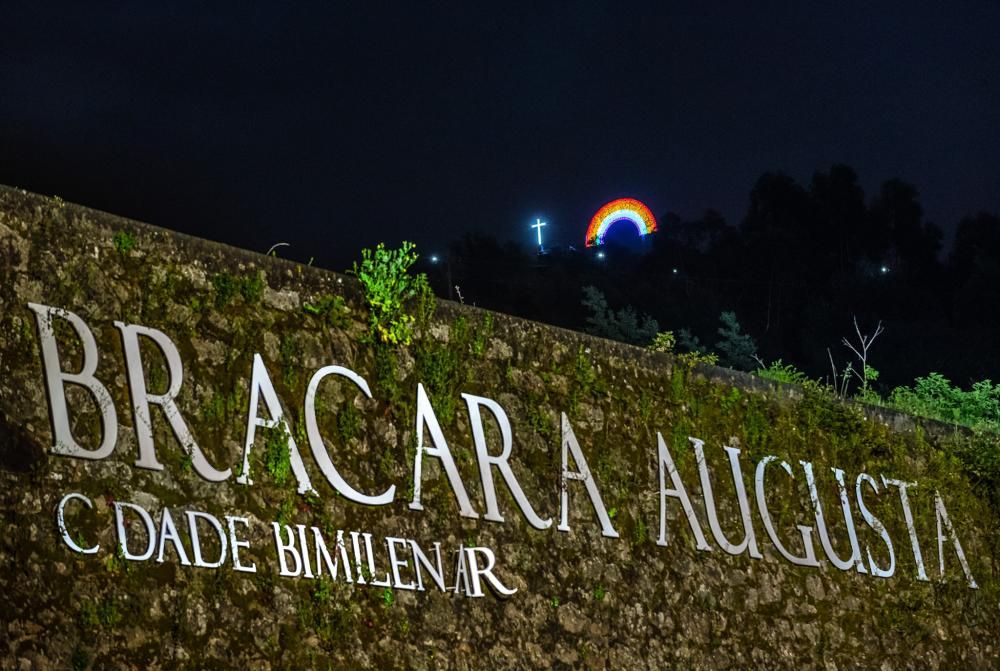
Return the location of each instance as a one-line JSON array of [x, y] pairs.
[[336, 125]]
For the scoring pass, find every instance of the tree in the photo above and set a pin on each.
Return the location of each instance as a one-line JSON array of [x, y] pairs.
[[625, 325], [897, 217], [736, 349]]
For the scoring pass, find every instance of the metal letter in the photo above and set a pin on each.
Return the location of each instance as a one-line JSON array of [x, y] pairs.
[[667, 466], [500, 462], [475, 572], [235, 544], [876, 524], [942, 519], [168, 532], [395, 564], [439, 449], [436, 572], [319, 450], [806, 531], [260, 384], [824, 537], [193, 516], [570, 445], [904, 500], [123, 539], [285, 549], [323, 556], [141, 398], [61, 523], [63, 441], [749, 539]]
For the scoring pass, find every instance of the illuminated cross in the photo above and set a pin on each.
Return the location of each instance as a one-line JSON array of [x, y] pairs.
[[539, 223]]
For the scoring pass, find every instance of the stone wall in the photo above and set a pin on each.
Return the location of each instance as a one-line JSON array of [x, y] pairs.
[[583, 599]]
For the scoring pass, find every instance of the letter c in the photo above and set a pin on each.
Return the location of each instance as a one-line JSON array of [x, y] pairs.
[[319, 448], [61, 522]]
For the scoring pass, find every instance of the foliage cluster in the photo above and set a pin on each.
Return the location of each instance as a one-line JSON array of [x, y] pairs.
[[124, 242], [782, 372], [736, 349], [227, 287], [624, 325], [665, 342], [330, 308], [935, 397], [389, 289]]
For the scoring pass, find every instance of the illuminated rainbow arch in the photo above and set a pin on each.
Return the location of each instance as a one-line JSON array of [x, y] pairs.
[[622, 209]]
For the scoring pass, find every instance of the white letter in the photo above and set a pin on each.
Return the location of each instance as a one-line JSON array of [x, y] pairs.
[[55, 379], [323, 556], [395, 564], [487, 572], [569, 444], [235, 544], [500, 462], [385, 582], [876, 524], [904, 499], [749, 539], [193, 516], [824, 537], [260, 383], [141, 398], [122, 539], [319, 448], [420, 559], [61, 523], [806, 531], [307, 569], [439, 449], [287, 549], [168, 532], [942, 518], [667, 466]]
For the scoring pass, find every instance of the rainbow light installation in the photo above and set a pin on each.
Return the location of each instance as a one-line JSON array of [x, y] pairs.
[[622, 209]]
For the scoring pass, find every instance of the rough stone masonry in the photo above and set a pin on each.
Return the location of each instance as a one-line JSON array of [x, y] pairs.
[[207, 462]]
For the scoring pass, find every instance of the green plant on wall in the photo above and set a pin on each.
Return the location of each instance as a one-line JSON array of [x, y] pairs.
[[389, 288], [124, 242], [329, 308], [782, 372], [227, 287]]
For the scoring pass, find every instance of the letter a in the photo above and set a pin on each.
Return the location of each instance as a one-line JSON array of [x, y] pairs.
[[260, 384], [570, 445]]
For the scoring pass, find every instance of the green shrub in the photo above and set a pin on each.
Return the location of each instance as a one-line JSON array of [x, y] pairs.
[[934, 397], [388, 286], [663, 342], [782, 372]]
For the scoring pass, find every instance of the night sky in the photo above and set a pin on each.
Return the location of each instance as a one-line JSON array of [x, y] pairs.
[[332, 127]]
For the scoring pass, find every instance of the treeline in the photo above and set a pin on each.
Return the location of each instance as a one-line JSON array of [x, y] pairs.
[[804, 262]]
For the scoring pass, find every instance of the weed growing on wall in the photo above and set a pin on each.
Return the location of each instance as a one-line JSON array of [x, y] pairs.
[[389, 288], [782, 372], [329, 308], [227, 287], [124, 242]]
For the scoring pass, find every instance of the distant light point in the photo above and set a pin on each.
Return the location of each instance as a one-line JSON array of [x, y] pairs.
[[884, 270], [434, 258], [600, 255]]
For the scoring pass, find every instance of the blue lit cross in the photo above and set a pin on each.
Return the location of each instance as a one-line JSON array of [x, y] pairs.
[[538, 224]]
